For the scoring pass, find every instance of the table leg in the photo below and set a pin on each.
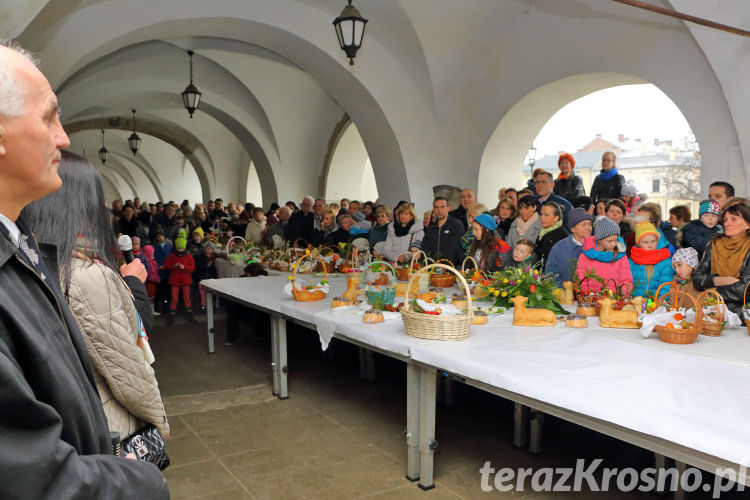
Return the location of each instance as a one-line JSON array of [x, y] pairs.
[[362, 362], [275, 353], [679, 494], [283, 367], [370, 364], [520, 425], [210, 321], [413, 374], [537, 428], [427, 443]]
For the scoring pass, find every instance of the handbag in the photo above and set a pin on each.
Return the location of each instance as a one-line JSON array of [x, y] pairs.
[[148, 445]]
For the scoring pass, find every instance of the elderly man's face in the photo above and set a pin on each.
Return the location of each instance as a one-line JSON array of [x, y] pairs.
[[30, 144], [306, 205], [284, 214], [467, 198]]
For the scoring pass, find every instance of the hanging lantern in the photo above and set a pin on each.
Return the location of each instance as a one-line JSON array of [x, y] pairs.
[[191, 96], [350, 28], [134, 142], [103, 152]]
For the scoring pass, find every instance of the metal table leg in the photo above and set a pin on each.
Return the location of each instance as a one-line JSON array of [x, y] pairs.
[[413, 374], [275, 353], [210, 320], [283, 367], [520, 425], [427, 443], [537, 428]]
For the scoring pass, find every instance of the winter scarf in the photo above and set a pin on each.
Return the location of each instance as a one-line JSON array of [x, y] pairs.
[[523, 226], [606, 175], [728, 254], [546, 230], [648, 257], [402, 230]]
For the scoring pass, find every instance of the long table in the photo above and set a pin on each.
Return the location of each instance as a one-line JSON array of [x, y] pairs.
[[687, 402]]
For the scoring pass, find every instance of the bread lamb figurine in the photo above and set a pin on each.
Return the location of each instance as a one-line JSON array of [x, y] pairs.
[[610, 318], [531, 317]]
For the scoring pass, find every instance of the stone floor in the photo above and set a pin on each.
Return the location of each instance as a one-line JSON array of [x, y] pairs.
[[337, 437]]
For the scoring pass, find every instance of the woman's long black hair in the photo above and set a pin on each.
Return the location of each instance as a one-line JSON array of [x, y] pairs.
[[77, 208]]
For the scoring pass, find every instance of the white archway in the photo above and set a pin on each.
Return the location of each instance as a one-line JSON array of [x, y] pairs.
[[350, 173], [254, 193]]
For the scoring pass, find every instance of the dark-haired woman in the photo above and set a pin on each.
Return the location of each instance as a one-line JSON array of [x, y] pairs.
[[725, 263], [527, 225], [76, 220], [552, 230], [486, 248], [506, 213]]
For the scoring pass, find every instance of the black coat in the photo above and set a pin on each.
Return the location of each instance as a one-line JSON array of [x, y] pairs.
[[460, 215], [545, 243], [732, 294], [55, 438], [300, 226], [444, 242], [570, 188], [607, 189], [695, 234]]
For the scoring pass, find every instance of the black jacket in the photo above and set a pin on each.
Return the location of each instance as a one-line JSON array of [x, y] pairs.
[[732, 294], [445, 242], [545, 243], [460, 215], [54, 441], [695, 234], [607, 189], [570, 188], [300, 226]]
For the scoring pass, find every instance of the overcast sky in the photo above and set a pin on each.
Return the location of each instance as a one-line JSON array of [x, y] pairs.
[[638, 111]]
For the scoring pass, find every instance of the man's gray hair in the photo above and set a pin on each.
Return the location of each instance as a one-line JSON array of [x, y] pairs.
[[12, 92], [308, 197]]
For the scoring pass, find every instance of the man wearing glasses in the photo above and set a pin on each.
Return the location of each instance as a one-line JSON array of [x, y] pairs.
[[544, 185]]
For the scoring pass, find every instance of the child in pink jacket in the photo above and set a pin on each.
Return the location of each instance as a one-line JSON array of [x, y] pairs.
[[604, 253]]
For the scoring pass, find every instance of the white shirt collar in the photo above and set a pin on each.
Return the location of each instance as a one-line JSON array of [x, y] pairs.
[[15, 233]]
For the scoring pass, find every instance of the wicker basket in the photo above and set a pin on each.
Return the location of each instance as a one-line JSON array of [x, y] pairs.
[[427, 326], [323, 266], [386, 296], [234, 256], [444, 280], [306, 295], [710, 327], [682, 335]]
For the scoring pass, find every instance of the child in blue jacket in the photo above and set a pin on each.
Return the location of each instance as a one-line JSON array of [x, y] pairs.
[[650, 260]]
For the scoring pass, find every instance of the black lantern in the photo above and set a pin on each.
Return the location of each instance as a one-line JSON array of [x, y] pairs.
[[191, 96], [103, 152], [134, 142], [532, 156], [350, 28]]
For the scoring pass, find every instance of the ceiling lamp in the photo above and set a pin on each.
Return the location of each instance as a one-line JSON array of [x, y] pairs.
[[103, 152], [350, 28], [191, 96], [134, 142]]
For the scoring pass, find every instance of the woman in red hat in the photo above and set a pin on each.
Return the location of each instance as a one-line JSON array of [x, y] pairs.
[[568, 185]]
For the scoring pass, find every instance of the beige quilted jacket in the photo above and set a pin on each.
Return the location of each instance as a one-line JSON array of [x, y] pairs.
[[104, 309]]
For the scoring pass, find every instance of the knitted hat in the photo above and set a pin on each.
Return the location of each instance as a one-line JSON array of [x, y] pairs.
[[486, 221], [180, 244], [576, 216], [629, 189], [569, 157], [643, 229], [709, 207], [606, 227], [181, 233], [199, 230], [687, 255]]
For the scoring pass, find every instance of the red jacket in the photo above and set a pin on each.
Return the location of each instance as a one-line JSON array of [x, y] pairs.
[[180, 277]]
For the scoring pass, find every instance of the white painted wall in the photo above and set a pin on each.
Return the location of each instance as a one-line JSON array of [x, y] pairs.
[[350, 174]]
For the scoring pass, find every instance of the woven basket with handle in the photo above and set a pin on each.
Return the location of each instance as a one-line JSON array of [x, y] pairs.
[[388, 294], [427, 326], [677, 335], [444, 279], [301, 295], [711, 326]]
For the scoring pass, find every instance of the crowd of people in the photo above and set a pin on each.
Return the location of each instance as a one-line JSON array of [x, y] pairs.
[[612, 233]]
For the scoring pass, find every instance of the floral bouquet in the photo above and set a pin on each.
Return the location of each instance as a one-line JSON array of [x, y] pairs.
[[525, 280]]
